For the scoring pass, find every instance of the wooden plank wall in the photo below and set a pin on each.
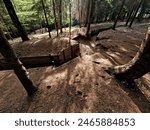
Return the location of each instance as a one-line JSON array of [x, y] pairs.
[[64, 56]]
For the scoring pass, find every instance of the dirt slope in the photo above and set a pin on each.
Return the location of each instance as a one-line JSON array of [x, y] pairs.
[[81, 85]]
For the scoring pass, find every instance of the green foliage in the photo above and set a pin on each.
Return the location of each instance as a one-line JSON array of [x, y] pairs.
[[31, 15], [109, 2]]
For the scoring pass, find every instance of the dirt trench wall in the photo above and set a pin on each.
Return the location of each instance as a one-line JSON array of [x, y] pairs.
[[64, 56]]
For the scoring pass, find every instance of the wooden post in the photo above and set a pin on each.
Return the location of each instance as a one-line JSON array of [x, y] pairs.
[[71, 52], [64, 56]]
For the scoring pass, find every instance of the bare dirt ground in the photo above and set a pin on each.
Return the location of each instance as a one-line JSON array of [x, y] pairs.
[[81, 85]]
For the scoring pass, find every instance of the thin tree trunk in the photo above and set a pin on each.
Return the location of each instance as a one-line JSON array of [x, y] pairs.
[[81, 17], [116, 20], [70, 22], [87, 14], [47, 24], [136, 11], [143, 9], [90, 2], [55, 18], [79, 14], [114, 15], [60, 15], [139, 65], [130, 14], [15, 20], [21, 72]]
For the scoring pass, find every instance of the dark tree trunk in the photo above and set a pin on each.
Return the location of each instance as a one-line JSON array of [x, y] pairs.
[[79, 14], [21, 72], [55, 18], [130, 13], [114, 15], [4, 24], [139, 65], [90, 2], [60, 16], [15, 20], [135, 13], [87, 14], [116, 20], [143, 9], [70, 22], [43, 6]]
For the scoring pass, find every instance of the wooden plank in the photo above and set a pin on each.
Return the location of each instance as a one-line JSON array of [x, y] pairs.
[[67, 53], [43, 61], [61, 58], [29, 62], [75, 50], [55, 60]]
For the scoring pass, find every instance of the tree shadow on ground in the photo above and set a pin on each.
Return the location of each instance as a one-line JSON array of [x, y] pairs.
[[137, 96]]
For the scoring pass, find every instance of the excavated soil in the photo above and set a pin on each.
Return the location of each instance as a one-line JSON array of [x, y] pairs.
[[81, 85]]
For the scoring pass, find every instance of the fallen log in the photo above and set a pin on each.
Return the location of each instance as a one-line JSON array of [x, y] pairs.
[[64, 56], [93, 32]]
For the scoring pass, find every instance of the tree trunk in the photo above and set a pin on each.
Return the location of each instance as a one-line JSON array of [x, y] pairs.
[[136, 11], [70, 22], [139, 65], [21, 72], [79, 14], [60, 16], [116, 20], [55, 18], [87, 14], [43, 6], [143, 9], [130, 13], [90, 2], [15, 20]]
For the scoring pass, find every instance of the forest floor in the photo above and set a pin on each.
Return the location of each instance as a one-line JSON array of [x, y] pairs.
[[82, 84]]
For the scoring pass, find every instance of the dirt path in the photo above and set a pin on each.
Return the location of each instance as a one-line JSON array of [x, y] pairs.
[[81, 85]]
